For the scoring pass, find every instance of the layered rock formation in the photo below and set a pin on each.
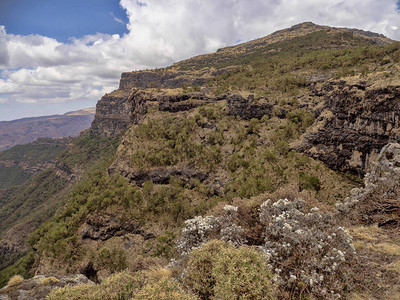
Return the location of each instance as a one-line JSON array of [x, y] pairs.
[[357, 121], [105, 226], [161, 78], [113, 113], [246, 108]]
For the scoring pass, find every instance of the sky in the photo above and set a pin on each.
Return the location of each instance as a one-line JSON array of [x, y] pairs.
[[63, 55]]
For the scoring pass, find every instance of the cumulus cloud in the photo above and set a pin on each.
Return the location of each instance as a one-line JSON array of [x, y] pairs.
[[39, 69]]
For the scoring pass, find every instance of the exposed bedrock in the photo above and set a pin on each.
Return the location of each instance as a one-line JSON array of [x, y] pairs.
[[357, 122], [159, 175], [247, 108], [113, 114], [106, 226]]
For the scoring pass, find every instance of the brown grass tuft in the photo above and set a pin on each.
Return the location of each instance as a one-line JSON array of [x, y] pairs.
[[15, 280]]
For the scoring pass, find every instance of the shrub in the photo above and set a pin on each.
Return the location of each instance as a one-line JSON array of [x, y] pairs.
[[308, 250], [200, 230], [114, 260], [309, 182], [220, 271], [15, 280]]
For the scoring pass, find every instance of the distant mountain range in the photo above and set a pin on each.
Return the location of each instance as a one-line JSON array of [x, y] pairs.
[[27, 130]]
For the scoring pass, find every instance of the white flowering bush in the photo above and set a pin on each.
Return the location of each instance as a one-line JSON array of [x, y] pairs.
[[200, 230], [306, 250]]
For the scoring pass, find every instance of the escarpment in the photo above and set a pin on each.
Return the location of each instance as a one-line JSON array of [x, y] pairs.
[[357, 121]]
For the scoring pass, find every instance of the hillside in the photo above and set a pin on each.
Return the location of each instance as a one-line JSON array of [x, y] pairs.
[[27, 130], [283, 149]]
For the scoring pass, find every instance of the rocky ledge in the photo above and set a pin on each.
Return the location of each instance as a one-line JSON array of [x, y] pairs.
[[357, 121], [105, 226]]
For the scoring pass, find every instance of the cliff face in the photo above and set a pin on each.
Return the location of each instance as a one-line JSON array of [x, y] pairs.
[[358, 120], [115, 111], [112, 113]]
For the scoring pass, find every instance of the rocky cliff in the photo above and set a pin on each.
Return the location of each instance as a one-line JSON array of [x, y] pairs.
[[358, 119], [115, 111]]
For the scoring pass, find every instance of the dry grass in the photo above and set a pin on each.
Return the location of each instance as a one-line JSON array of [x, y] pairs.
[[383, 248], [379, 264], [50, 280], [15, 280], [371, 233], [359, 296]]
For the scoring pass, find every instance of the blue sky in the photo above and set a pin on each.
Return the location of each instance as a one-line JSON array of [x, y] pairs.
[[62, 55], [63, 19]]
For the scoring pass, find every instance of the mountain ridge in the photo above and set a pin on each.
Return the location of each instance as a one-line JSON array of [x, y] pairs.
[[26, 130]]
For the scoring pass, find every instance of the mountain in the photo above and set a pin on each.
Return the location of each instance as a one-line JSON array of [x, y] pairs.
[[27, 130], [273, 162]]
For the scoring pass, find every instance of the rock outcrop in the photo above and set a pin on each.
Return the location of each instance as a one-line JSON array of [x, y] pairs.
[[246, 108], [105, 226], [358, 120], [113, 113], [158, 176]]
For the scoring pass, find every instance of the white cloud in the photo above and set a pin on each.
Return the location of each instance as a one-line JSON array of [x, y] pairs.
[[42, 70]]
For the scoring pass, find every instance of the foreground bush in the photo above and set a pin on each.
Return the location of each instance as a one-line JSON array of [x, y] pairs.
[[218, 270], [308, 251]]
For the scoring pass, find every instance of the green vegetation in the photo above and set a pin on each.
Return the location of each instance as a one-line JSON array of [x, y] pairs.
[[216, 271], [219, 271], [20, 267], [167, 204], [39, 198], [28, 198], [12, 176], [15, 161], [281, 67], [43, 150], [89, 148], [173, 140]]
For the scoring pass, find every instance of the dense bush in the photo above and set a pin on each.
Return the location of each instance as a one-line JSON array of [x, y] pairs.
[[218, 270], [308, 251]]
